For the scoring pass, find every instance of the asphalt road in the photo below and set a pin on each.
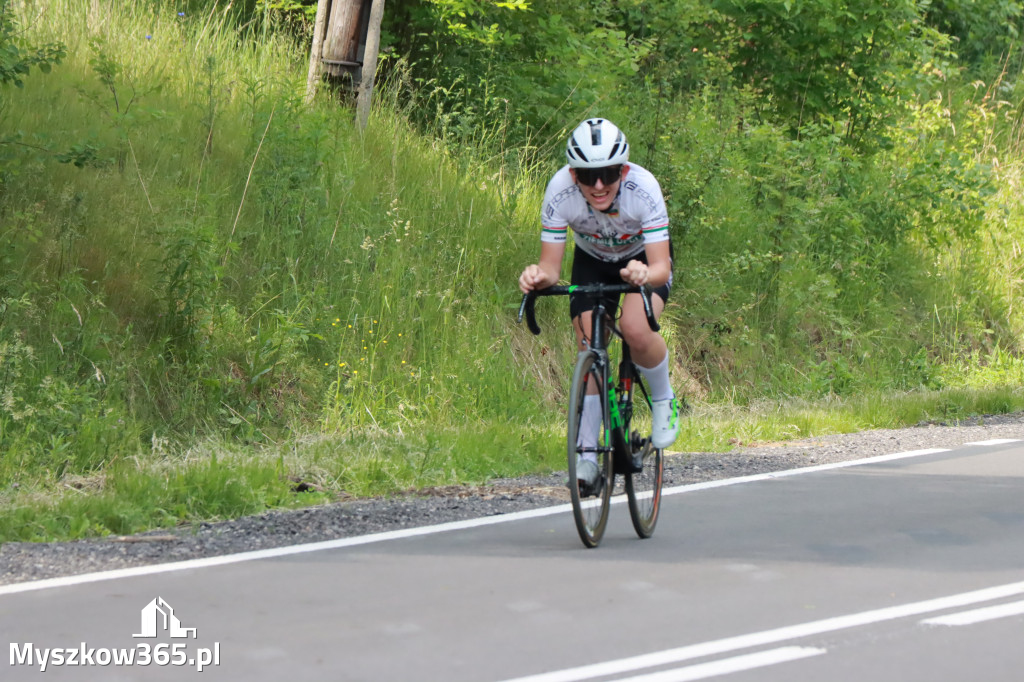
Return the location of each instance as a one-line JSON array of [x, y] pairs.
[[903, 568]]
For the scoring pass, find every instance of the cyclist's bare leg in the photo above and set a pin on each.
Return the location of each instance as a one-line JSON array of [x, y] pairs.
[[650, 353], [648, 347]]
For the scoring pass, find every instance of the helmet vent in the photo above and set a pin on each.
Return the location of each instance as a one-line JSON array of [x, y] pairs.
[[577, 152], [595, 143]]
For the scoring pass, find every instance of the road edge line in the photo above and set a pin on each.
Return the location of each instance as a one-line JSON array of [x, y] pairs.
[[341, 543]]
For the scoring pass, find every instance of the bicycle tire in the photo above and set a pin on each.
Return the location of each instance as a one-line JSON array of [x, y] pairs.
[[590, 512], [643, 487]]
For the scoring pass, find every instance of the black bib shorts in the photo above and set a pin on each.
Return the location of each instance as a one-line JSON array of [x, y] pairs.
[[589, 270]]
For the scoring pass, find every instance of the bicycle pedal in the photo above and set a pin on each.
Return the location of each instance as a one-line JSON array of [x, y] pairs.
[[637, 463], [628, 464]]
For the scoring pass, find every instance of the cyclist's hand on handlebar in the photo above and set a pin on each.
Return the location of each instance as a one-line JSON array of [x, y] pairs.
[[635, 273], [533, 277]]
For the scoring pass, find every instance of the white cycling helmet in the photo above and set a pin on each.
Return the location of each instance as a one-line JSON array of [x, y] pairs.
[[596, 143]]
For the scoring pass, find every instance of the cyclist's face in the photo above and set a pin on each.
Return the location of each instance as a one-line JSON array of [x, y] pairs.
[[599, 195]]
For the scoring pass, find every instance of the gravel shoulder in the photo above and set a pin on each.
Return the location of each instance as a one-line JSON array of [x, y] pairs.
[[23, 561]]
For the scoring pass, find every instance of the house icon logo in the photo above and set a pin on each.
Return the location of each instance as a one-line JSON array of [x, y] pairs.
[[158, 616]]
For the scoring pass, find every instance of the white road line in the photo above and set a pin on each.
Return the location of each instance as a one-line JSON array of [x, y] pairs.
[[978, 615], [424, 530], [277, 551], [995, 441], [736, 664], [707, 485], [767, 637]]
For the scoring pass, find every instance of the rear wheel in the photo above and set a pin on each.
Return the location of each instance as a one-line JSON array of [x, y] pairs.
[[643, 487], [589, 505]]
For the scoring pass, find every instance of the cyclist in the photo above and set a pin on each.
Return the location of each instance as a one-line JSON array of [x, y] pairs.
[[620, 227]]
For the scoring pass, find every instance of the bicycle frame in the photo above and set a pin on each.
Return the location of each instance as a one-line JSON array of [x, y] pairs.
[[620, 396]]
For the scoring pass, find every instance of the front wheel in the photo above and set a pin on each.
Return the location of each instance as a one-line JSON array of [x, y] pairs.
[[643, 486], [588, 438]]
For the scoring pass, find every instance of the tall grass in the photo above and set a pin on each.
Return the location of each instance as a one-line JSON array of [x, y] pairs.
[[227, 263], [216, 299]]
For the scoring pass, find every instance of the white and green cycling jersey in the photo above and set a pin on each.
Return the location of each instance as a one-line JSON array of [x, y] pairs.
[[637, 217]]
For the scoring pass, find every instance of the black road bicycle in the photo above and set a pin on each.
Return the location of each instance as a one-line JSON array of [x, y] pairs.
[[624, 439]]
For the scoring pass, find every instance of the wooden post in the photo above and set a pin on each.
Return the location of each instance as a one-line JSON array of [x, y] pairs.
[[317, 49], [365, 97], [340, 56]]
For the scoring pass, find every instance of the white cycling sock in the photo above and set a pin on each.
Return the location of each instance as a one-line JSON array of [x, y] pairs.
[[657, 380], [590, 425]]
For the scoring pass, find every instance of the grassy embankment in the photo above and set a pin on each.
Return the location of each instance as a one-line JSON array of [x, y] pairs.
[[234, 296]]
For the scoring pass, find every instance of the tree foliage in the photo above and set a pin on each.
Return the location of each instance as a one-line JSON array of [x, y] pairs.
[[981, 28], [803, 144], [17, 58], [834, 62]]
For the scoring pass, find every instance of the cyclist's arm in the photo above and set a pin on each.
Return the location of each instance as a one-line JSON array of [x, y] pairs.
[[658, 269], [659, 263], [546, 272]]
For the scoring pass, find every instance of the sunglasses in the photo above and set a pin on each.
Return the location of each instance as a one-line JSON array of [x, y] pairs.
[[607, 175]]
